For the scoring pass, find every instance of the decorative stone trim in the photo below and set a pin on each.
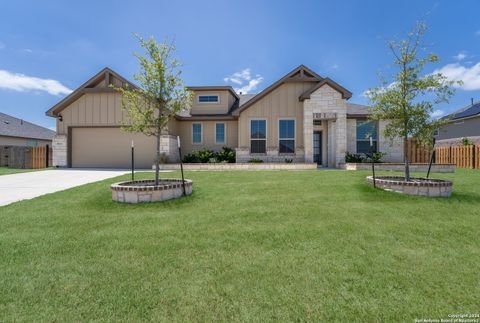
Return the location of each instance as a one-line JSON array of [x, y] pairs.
[[436, 168], [145, 190], [416, 186]]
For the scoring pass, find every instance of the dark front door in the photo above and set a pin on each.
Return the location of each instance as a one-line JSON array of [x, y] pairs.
[[317, 147]]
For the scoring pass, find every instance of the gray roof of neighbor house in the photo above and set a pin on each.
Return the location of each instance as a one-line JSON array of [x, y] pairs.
[[465, 112], [14, 127]]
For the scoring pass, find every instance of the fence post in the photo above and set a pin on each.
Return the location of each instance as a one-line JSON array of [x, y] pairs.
[[47, 151]]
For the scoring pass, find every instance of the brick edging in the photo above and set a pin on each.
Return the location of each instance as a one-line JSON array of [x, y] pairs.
[[169, 183]]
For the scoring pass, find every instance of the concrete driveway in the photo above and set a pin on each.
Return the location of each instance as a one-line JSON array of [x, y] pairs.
[[24, 186]]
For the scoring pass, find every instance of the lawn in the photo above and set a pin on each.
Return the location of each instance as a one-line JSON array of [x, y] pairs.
[[246, 246], [8, 170]]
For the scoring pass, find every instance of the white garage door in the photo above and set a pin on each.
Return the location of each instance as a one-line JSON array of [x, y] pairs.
[[110, 148]]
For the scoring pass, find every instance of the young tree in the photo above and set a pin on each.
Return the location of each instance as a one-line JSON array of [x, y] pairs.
[[161, 93], [407, 99]]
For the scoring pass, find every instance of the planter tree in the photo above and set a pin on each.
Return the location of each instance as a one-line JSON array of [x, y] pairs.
[[407, 98], [161, 93]]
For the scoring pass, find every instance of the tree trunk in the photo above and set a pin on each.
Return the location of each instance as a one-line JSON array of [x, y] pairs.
[[406, 157], [157, 160]]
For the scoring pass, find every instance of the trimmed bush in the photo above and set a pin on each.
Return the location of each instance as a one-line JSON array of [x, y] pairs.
[[226, 155]]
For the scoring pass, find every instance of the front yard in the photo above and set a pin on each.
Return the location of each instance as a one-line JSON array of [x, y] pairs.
[[246, 246], [8, 170]]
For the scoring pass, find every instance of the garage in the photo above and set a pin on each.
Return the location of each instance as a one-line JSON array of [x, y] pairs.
[[110, 147]]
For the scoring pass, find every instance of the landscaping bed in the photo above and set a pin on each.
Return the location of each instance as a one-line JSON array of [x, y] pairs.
[[147, 191]]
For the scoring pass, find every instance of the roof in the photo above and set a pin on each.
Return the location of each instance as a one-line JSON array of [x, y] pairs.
[[14, 127], [95, 80], [357, 110], [465, 112], [299, 74], [244, 98], [214, 88], [346, 94]]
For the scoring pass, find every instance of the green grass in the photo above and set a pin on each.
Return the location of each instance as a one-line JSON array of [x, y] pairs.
[[8, 170], [246, 246]]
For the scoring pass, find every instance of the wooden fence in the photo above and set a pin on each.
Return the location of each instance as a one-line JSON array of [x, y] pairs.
[[25, 157], [462, 156]]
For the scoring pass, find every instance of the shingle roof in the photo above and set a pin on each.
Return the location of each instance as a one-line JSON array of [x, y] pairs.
[[465, 112], [14, 127], [244, 98], [357, 109]]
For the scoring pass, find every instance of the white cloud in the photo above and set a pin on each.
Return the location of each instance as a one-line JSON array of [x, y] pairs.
[[470, 76], [24, 83], [437, 114], [244, 80], [460, 56]]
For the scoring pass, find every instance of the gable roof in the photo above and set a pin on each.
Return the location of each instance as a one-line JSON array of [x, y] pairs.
[[466, 112], [299, 74], [14, 127], [103, 75], [214, 88], [346, 94]]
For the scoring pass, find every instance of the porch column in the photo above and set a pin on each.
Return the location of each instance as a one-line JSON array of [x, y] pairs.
[[340, 138], [308, 131]]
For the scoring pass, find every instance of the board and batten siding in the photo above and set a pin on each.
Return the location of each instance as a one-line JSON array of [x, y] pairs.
[[226, 101], [281, 103], [184, 130]]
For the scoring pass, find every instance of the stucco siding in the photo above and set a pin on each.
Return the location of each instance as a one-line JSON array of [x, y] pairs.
[[184, 130]]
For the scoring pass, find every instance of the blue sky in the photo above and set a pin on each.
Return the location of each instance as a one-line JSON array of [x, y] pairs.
[[50, 47]]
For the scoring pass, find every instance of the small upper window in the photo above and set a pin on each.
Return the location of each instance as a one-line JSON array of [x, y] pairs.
[[208, 98]]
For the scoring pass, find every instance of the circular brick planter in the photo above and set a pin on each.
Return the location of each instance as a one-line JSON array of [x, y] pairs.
[[147, 191], [416, 186]]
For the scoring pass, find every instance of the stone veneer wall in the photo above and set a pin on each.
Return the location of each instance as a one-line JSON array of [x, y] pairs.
[[241, 166], [59, 145], [352, 135], [272, 156], [392, 148], [169, 146], [326, 100]]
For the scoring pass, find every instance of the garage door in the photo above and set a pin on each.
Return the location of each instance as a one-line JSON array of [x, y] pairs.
[[110, 148]]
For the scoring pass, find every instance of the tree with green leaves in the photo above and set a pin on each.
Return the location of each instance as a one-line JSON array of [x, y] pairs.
[[406, 99], [159, 96]]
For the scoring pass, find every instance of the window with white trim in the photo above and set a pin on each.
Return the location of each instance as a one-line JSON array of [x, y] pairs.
[[286, 136], [258, 136], [208, 99], [220, 133], [365, 130], [196, 133]]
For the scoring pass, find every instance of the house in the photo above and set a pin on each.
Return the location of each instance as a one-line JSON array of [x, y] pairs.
[[17, 132], [302, 117], [463, 123]]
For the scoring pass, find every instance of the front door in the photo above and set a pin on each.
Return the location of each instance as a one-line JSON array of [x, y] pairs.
[[317, 147]]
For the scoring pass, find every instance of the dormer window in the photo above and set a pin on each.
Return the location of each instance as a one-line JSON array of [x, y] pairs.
[[208, 99]]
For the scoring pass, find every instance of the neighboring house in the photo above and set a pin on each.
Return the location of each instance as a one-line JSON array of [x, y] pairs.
[[17, 132], [302, 117], [463, 123]]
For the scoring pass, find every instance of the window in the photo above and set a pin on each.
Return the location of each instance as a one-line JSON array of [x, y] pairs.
[[219, 133], [258, 136], [208, 98], [365, 130], [32, 142], [196, 133], [286, 136]]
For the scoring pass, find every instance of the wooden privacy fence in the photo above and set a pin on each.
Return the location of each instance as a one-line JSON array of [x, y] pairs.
[[461, 156], [25, 157]]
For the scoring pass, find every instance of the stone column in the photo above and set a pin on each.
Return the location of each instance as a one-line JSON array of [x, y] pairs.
[[59, 146], [308, 131], [341, 138]]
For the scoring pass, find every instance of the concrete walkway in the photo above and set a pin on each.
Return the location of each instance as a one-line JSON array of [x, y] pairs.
[[24, 186]]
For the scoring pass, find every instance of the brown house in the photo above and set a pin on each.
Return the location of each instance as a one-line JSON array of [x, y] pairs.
[[302, 117]]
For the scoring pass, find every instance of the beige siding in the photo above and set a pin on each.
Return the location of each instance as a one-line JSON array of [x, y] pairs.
[[281, 103], [17, 141], [208, 135], [223, 106], [93, 109]]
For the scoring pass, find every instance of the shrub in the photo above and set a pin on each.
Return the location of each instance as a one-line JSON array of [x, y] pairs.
[[226, 155], [255, 161], [466, 141], [377, 157], [288, 160], [353, 158]]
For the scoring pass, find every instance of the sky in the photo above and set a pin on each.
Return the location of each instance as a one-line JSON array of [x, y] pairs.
[[49, 48]]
